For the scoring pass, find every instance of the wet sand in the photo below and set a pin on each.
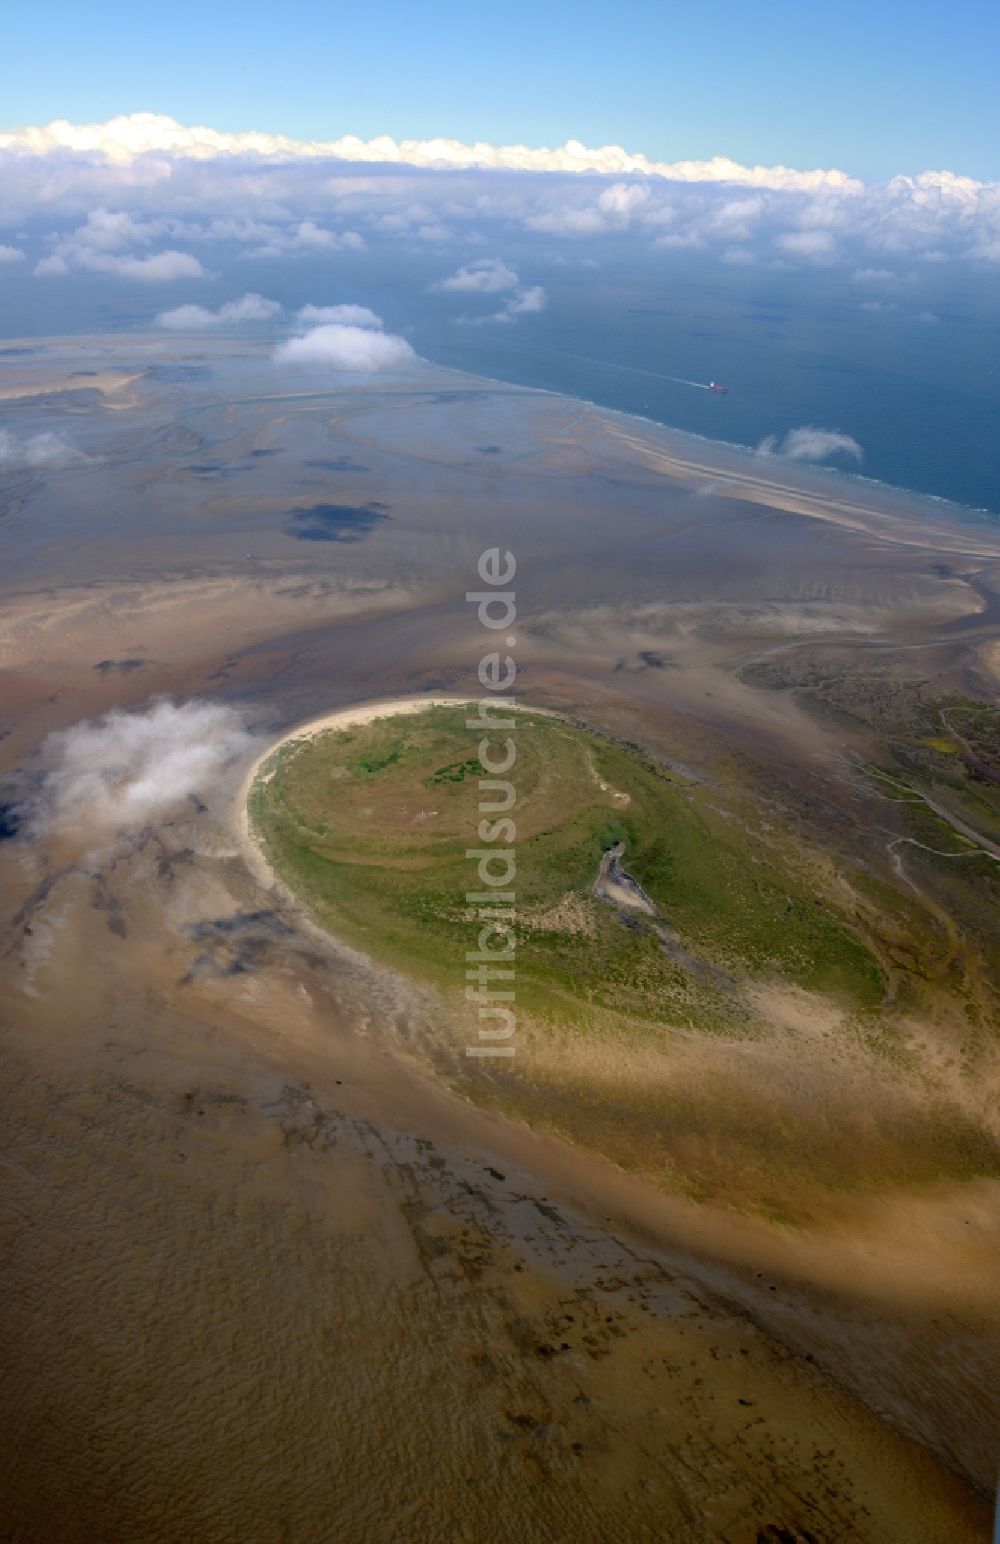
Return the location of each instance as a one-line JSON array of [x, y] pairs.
[[266, 1276]]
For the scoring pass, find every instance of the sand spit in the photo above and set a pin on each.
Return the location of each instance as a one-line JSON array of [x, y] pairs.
[[730, 479], [109, 383]]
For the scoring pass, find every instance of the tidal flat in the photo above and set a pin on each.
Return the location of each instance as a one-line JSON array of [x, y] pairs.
[[715, 1256]]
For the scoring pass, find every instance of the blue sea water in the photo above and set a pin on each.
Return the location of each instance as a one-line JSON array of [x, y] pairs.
[[915, 382], [908, 367]]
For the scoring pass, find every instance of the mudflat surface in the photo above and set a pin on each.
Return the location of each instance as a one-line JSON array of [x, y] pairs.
[[273, 1270]]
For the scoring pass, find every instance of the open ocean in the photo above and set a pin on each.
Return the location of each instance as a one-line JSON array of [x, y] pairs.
[[915, 382]]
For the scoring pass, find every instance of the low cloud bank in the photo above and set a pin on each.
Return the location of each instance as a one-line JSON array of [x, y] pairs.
[[185, 184], [125, 139], [340, 347], [811, 444], [37, 452], [120, 772], [249, 308], [144, 183]]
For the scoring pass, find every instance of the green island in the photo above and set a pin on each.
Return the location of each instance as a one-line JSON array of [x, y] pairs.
[[371, 826], [652, 911]]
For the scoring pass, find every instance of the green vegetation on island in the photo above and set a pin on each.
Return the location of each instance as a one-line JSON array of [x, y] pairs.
[[371, 826]]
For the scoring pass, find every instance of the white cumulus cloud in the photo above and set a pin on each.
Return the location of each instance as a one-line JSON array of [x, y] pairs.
[[345, 348], [249, 308], [37, 451], [102, 245], [11, 254], [346, 315], [307, 237], [486, 276], [615, 208], [531, 298], [109, 230], [624, 198], [120, 772], [492, 276], [816, 246], [158, 267], [808, 443]]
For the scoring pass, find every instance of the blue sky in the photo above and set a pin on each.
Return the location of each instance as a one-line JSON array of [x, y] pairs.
[[874, 87]]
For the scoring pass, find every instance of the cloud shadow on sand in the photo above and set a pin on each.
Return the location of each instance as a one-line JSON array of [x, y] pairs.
[[336, 522]]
